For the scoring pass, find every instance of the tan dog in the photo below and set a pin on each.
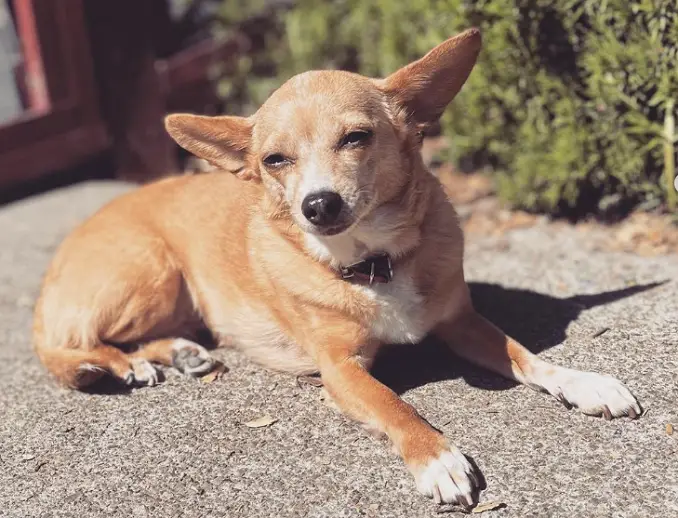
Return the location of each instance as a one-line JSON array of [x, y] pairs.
[[340, 241]]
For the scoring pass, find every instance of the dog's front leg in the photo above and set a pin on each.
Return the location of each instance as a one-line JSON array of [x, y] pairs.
[[474, 338], [441, 471]]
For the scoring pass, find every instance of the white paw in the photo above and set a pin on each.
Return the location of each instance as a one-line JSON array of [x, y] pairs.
[[594, 394], [143, 373], [448, 479], [191, 358]]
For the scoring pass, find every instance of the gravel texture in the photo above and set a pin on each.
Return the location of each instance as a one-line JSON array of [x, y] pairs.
[[181, 448]]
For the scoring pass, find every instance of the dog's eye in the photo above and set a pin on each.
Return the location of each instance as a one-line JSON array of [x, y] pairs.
[[275, 160], [356, 138]]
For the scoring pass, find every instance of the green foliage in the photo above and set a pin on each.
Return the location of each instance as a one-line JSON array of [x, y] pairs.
[[572, 104]]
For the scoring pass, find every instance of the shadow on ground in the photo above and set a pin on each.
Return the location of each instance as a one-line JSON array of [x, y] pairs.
[[537, 321]]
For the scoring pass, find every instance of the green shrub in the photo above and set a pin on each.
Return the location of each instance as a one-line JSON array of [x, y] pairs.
[[571, 106]]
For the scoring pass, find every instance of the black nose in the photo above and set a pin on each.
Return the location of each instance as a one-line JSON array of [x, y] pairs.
[[322, 208]]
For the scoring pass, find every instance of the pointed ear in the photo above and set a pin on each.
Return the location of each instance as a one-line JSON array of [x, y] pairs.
[[222, 141], [425, 87]]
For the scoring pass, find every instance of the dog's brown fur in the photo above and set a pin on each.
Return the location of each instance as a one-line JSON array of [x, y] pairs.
[[235, 253]]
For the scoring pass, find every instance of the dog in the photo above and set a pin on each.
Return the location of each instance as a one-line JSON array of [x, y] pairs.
[[321, 238]]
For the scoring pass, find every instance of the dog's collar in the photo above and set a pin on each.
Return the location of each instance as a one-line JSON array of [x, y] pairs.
[[376, 268]]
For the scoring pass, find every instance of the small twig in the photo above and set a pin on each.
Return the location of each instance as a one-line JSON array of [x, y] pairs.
[[454, 508], [600, 332]]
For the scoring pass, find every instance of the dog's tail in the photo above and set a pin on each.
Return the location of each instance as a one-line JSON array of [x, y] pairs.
[[74, 363], [74, 368]]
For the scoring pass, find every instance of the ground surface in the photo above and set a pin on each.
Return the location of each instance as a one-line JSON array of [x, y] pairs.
[[180, 449]]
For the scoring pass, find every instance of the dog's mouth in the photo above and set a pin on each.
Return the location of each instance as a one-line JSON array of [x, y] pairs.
[[331, 231], [348, 220], [343, 222]]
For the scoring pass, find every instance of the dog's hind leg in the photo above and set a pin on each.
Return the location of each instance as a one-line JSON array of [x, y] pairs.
[[186, 356], [78, 368], [90, 311]]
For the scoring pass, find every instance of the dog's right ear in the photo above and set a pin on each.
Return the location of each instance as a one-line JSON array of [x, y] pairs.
[[222, 141]]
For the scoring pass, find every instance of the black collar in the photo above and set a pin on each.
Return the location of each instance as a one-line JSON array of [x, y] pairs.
[[376, 268]]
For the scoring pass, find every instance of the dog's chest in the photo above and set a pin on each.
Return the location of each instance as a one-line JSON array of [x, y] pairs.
[[400, 311]]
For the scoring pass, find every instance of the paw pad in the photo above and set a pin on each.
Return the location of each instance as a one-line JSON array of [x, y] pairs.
[[191, 358]]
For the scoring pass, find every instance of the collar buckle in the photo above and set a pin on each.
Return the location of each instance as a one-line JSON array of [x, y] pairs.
[[374, 269]]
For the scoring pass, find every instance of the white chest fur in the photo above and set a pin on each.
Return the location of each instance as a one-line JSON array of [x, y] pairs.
[[400, 314]]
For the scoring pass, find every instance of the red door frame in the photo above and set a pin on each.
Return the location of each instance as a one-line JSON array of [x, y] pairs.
[[93, 84], [63, 124]]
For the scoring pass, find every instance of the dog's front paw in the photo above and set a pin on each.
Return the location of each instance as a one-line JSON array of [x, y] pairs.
[[448, 478], [595, 394], [191, 358]]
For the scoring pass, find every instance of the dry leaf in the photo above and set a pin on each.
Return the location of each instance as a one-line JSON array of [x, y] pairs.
[[488, 506], [260, 422], [214, 374], [669, 429]]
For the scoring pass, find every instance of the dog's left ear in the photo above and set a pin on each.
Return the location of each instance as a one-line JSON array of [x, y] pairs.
[[425, 87]]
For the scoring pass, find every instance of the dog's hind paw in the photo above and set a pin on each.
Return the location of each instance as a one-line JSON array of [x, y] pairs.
[[191, 358], [143, 373]]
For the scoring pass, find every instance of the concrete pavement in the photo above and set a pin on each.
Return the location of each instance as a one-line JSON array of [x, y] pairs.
[[181, 450]]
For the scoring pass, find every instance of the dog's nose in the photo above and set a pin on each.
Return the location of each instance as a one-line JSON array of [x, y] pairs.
[[322, 208]]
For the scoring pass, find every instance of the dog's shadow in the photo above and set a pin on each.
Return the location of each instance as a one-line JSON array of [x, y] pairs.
[[537, 321]]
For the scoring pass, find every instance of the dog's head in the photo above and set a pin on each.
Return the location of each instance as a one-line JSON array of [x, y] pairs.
[[329, 146]]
